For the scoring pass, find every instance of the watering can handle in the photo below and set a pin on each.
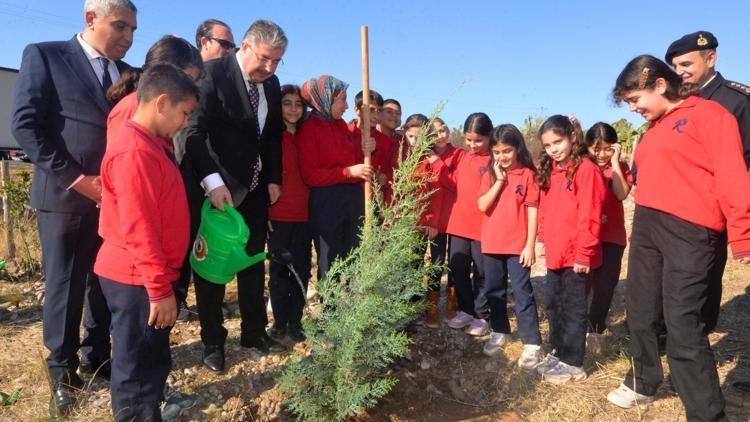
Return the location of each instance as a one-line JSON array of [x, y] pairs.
[[239, 221]]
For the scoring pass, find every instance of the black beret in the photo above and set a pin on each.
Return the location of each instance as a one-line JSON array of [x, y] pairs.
[[701, 40]]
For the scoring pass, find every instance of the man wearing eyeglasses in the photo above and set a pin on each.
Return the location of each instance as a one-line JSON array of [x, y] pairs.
[[214, 39], [233, 144]]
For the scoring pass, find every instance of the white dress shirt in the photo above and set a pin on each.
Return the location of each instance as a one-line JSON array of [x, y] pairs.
[[93, 57]]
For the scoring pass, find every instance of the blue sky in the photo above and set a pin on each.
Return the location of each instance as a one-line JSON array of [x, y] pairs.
[[514, 58]]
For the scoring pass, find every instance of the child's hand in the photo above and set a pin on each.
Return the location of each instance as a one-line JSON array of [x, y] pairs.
[[368, 145], [499, 172], [581, 269], [274, 192], [540, 248], [745, 260], [163, 314], [361, 171], [528, 257], [616, 152]]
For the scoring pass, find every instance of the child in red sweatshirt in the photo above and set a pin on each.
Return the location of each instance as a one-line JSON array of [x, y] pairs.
[[288, 228], [462, 174], [602, 145], [144, 223], [691, 185], [569, 222]]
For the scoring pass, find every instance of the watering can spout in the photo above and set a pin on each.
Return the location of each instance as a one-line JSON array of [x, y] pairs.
[[242, 261]]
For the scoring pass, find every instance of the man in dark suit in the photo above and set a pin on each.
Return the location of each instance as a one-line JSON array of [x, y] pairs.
[[59, 119], [233, 144]]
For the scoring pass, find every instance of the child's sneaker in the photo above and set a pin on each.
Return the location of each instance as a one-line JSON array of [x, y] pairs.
[[419, 320], [595, 343], [563, 373], [531, 356], [478, 327], [626, 398], [549, 362], [461, 320], [494, 344]]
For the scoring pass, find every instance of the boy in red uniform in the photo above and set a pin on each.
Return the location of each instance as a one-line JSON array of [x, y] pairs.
[[145, 226], [381, 159], [692, 184]]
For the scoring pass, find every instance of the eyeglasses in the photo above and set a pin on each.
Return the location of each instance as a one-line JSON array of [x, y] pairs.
[[226, 45], [266, 60]]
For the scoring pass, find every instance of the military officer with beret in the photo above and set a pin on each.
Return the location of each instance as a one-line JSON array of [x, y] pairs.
[[694, 59]]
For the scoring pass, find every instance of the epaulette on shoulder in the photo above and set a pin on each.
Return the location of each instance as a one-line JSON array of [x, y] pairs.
[[742, 88]]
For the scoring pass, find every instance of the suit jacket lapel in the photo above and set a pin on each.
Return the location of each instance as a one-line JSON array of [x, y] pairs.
[[235, 75], [81, 68]]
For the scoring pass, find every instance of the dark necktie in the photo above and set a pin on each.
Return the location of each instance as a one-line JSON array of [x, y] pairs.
[[106, 79], [254, 101]]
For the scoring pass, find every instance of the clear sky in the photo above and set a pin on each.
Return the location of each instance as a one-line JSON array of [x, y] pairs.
[[517, 58]]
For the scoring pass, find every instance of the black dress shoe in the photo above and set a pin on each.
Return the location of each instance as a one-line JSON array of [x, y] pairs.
[[183, 313], [743, 386], [64, 393], [296, 333], [213, 358], [263, 343], [277, 333], [96, 369]]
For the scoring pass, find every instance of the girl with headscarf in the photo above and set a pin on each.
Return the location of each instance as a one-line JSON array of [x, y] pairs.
[[330, 164]]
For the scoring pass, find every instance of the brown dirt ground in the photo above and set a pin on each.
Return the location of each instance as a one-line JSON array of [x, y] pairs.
[[445, 377]]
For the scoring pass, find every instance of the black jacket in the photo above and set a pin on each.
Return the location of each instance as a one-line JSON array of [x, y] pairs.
[[735, 97]]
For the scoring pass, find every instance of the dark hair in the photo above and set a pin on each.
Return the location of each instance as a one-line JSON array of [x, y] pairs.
[[415, 120], [374, 97], [508, 134], [642, 73], [291, 89], [206, 28], [600, 132], [169, 49], [392, 101], [478, 123], [439, 120], [125, 85], [562, 126], [165, 78]]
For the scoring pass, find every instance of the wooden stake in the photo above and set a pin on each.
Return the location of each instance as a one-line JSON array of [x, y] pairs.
[[365, 120], [7, 220]]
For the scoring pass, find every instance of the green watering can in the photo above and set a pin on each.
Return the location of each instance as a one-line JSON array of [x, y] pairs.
[[219, 249]]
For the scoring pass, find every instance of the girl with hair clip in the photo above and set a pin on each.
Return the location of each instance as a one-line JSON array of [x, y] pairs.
[[569, 223], [329, 164], [692, 184], [509, 197], [288, 228], [603, 147], [461, 174]]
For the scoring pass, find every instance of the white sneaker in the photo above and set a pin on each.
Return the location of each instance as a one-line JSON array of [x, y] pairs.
[[595, 343], [494, 344], [461, 320], [531, 356], [478, 327], [626, 398], [549, 362], [563, 373]]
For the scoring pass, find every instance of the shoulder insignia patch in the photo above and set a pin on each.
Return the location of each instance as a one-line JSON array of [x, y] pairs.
[[742, 88]]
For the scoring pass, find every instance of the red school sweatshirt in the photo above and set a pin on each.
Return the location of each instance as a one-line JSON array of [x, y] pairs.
[[690, 165], [380, 158], [462, 175], [570, 216], [506, 223], [292, 204], [144, 219], [325, 150]]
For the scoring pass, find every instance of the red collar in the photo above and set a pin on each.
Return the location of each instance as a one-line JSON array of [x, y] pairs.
[[161, 142]]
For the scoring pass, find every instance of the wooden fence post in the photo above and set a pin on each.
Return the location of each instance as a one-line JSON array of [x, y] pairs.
[[7, 220]]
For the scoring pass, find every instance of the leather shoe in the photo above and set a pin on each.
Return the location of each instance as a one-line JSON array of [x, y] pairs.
[[263, 343], [213, 358], [743, 386], [63, 399], [277, 333], [296, 333], [96, 369]]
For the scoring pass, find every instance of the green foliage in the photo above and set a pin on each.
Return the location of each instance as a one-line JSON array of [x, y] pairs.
[[628, 135], [531, 125], [457, 137], [367, 300], [18, 191], [10, 399]]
